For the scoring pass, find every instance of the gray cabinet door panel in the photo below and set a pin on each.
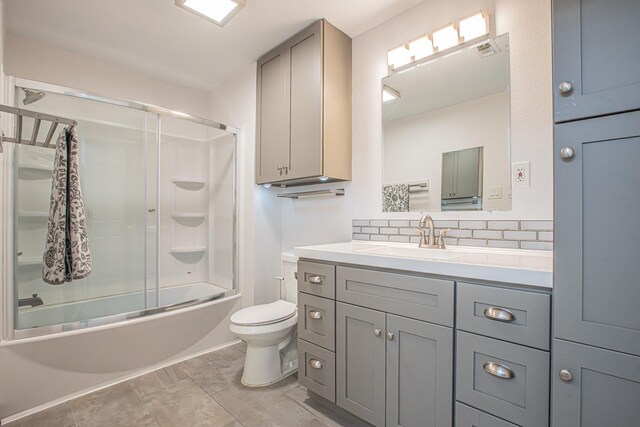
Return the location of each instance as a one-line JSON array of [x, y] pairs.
[[360, 364], [466, 416], [304, 97], [419, 373], [317, 320], [449, 162], [317, 369], [317, 279], [468, 176], [272, 117], [522, 399], [595, 46], [604, 391], [421, 298], [531, 311], [597, 238]]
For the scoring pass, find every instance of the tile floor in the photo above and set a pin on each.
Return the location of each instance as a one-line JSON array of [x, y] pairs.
[[204, 391]]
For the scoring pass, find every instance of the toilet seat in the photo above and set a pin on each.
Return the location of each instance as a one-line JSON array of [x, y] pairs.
[[264, 314]]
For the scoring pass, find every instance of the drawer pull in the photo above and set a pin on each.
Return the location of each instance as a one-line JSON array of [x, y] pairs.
[[498, 370], [390, 336], [499, 314], [315, 280], [315, 315], [377, 332], [565, 375], [315, 364]]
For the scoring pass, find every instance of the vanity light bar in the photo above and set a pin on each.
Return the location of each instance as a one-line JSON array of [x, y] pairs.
[[468, 28]]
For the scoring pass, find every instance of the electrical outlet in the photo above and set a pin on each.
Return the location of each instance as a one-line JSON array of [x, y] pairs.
[[521, 174], [495, 192]]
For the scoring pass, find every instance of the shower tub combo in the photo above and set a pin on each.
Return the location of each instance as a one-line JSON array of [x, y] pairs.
[[159, 190]]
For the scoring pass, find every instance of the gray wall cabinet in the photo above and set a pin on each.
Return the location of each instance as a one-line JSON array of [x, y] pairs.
[[604, 388], [596, 66], [597, 237], [303, 125], [462, 173]]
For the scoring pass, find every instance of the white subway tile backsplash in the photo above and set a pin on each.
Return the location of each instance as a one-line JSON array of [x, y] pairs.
[[474, 225], [520, 235], [524, 234], [503, 225]]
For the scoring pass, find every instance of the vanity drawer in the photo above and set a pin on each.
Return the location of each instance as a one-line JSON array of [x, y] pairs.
[[317, 320], [518, 388], [317, 279], [466, 416], [317, 369], [518, 316], [421, 298]]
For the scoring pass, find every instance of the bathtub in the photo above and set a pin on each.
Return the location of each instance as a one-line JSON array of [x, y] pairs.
[[40, 371], [42, 320]]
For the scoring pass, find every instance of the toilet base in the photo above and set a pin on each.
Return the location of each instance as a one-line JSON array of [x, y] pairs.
[[268, 365]]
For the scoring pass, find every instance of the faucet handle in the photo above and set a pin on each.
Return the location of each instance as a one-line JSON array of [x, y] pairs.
[[441, 236]]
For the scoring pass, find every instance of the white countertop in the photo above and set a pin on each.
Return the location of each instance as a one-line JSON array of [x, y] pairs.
[[524, 267]]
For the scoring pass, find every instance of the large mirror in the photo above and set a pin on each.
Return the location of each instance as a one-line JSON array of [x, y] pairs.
[[446, 132]]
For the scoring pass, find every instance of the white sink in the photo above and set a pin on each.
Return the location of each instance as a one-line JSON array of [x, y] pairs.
[[411, 252]]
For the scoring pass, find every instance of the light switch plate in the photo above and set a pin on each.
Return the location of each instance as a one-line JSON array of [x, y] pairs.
[[495, 192], [521, 174]]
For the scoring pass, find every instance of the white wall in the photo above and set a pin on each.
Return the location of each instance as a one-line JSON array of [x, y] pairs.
[[485, 123]]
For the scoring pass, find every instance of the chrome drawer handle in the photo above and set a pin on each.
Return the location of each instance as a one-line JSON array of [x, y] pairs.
[[315, 364], [498, 370], [316, 280], [315, 315], [499, 314]]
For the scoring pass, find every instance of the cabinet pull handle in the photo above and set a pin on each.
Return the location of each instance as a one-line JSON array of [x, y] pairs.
[[316, 280], [565, 375], [315, 364], [498, 370], [565, 87], [499, 314], [377, 332], [315, 314], [567, 153], [390, 336]]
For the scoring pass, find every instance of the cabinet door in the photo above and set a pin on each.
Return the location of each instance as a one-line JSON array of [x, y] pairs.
[[595, 48], [419, 373], [304, 95], [360, 362], [272, 138], [597, 237], [604, 389], [449, 162], [468, 173]]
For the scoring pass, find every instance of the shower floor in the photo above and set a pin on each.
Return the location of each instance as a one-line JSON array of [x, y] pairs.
[[203, 391]]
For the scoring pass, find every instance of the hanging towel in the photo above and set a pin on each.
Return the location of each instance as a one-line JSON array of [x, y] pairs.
[[66, 256], [395, 198]]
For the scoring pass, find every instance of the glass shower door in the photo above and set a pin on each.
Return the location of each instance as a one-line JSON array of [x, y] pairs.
[[116, 146]]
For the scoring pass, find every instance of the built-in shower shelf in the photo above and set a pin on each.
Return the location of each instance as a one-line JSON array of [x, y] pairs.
[[187, 215], [29, 261], [188, 183], [34, 171], [187, 250]]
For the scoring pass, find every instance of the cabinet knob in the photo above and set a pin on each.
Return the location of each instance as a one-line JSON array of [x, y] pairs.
[[313, 314], [567, 153], [390, 336], [566, 87], [315, 364], [377, 332], [565, 375]]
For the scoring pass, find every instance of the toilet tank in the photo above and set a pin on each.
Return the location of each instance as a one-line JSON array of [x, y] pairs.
[[289, 283]]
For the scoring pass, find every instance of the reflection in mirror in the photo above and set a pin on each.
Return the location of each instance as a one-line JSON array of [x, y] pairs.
[[446, 132]]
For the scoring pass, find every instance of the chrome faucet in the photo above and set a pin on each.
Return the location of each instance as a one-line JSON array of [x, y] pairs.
[[430, 242], [34, 301]]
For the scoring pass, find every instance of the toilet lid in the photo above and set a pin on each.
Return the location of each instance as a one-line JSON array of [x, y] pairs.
[[264, 314]]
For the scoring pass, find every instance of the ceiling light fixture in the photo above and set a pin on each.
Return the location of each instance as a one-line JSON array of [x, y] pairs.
[[217, 11], [473, 26], [389, 94]]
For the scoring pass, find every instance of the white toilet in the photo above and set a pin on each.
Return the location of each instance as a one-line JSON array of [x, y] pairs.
[[270, 332]]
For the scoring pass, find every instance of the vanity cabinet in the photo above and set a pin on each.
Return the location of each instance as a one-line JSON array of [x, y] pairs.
[[596, 68], [303, 126]]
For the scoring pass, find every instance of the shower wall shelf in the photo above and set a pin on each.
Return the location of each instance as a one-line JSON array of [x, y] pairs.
[[186, 215], [188, 183], [188, 250], [29, 261], [33, 215]]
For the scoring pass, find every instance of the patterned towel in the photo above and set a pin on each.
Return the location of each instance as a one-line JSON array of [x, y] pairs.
[[66, 256], [395, 198]]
